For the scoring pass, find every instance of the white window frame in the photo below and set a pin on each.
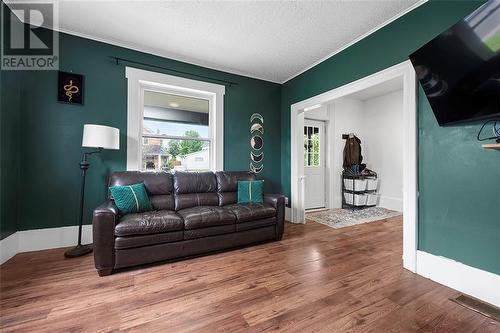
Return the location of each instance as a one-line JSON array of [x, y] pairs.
[[320, 154], [139, 80]]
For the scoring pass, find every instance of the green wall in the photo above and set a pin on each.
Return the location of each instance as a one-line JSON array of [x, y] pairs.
[[459, 182], [10, 104], [49, 147]]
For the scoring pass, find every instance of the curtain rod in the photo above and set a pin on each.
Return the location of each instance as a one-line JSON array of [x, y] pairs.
[[123, 61]]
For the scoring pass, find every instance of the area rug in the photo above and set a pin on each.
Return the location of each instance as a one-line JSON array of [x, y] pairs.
[[340, 218]]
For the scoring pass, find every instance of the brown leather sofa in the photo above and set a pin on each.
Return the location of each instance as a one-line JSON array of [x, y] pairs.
[[194, 214]]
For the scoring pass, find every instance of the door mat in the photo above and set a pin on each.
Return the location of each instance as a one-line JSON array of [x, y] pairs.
[[341, 218]]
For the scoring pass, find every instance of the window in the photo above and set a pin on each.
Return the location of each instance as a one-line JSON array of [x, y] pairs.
[[173, 123], [175, 132], [311, 146]]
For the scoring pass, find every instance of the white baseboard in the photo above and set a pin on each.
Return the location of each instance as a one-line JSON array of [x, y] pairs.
[[391, 203], [337, 202], [9, 247], [472, 281], [51, 238], [42, 239], [288, 214]]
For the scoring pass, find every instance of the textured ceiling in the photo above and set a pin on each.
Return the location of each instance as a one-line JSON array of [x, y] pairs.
[[271, 40]]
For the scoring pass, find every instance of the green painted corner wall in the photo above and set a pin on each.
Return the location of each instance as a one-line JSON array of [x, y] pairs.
[[459, 185], [50, 144], [10, 103], [459, 182]]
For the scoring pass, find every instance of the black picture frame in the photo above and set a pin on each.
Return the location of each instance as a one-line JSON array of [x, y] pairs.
[[70, 88]]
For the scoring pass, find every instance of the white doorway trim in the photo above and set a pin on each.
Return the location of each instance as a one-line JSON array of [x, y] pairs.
[[406, 72]]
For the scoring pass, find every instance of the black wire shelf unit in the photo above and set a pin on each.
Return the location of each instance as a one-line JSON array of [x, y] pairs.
[[355, 193]]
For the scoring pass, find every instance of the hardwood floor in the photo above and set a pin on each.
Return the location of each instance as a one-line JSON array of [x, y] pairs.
[[315, 279]]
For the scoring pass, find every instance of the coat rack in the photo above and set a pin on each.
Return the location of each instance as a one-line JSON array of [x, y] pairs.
[[347, 136]]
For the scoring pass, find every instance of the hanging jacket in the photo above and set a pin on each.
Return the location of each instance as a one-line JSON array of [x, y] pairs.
[[352, 152]]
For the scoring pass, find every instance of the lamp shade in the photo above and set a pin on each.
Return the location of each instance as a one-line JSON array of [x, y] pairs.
[[99, 136]]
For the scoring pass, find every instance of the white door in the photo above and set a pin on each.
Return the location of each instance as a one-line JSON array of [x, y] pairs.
[[314, 163]]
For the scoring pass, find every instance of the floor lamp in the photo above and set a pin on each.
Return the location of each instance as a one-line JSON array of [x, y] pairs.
[[98, 137]]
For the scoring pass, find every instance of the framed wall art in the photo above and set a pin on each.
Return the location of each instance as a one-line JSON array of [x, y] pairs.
[[70, 87]]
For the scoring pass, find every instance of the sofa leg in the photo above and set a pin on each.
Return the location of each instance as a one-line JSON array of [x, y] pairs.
[[104, 271]]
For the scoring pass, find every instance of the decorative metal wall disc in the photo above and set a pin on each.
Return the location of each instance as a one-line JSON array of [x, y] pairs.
[[257, 158], [257, 128], [257, 116], [255, 169], [257, 142]]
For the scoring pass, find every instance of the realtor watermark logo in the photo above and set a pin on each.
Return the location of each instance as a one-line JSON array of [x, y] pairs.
[[30, 46]]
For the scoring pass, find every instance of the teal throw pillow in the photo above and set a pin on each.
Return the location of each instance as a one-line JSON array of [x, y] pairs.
[[250, 191], [131, 198]]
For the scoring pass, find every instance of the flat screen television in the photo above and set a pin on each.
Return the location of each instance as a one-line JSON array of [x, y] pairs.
[[459, 70]]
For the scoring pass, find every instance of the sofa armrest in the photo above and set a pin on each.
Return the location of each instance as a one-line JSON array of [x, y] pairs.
[[103, 229], [278, 202], [107, 207], [273, 199]]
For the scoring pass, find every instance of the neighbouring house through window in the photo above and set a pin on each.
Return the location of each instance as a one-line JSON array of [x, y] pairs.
[[175, 133]]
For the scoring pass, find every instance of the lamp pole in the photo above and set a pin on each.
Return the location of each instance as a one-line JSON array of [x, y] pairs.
[[80, 250], [98, 137]]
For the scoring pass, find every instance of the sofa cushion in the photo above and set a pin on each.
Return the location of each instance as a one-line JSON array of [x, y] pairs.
[[249, 225], [250, 191], [206, 216], [148, 223], [159, 185], [195, 189], [227, 181], [249, 212], [162, 202], [210, 231], [183, 201], [146, 240], [227, 185], [194, 182], [131, 198]]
